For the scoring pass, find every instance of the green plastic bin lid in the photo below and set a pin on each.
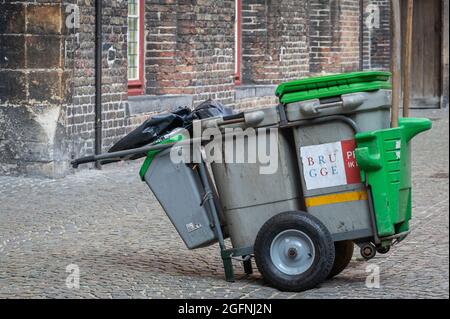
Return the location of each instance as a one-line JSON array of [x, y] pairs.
[[332, 85]]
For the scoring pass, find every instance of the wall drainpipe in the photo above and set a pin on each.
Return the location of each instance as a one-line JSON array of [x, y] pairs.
[[361, 35], [98, 80]]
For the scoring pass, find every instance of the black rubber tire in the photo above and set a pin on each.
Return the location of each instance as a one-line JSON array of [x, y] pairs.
[[343, 256], [365, 248], [248, 266], [322, 241], [383, 250]]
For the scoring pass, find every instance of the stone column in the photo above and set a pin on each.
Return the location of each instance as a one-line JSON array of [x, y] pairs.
[[33, 89]]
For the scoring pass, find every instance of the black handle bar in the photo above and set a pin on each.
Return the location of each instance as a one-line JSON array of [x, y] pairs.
[[126, 154], [234, 117]]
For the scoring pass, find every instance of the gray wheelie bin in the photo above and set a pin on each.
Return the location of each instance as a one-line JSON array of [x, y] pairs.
[[247, 209], [314, 126], [317, 172], [179, 190], [336, 107]]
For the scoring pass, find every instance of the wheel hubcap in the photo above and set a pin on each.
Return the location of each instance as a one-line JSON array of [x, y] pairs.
[[292, 252]]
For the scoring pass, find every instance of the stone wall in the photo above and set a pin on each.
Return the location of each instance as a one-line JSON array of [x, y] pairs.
[[33, 88]]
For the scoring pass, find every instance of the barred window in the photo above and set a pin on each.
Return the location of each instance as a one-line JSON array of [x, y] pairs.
[[135, 46]]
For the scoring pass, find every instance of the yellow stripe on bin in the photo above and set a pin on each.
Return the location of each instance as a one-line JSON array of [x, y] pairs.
[[335, 198]]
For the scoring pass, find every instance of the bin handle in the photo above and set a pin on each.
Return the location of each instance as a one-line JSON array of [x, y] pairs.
[[233, 117], [348, 102], [250, 118], [121, 155]]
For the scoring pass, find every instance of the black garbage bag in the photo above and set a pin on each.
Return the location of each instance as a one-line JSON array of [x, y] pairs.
[[159, 125], [150, 130], [207, 109], [211, 108]]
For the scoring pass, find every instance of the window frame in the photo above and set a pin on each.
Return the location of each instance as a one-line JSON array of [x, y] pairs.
[[136, 87]]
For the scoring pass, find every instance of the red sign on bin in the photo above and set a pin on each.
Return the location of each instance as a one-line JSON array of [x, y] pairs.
[[351, 167]]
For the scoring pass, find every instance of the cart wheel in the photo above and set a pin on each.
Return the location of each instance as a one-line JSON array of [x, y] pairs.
[[383, 250], [344, 253], [248, 266], [294, 251], [368, 251]]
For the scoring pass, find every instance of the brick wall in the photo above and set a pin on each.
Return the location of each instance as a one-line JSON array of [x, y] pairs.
[[334, 36], [274, 41], [80, 113], [47, 75], [350, 28], [190, 48], [376, 48], [256, 102]]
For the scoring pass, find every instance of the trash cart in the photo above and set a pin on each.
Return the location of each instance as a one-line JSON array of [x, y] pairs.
[[342, 177]]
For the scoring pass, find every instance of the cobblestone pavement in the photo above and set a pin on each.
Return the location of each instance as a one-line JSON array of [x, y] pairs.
[[109, 224]]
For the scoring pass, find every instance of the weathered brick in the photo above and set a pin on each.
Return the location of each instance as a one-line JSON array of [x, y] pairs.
[[44, 51], [12, 51], [13, 86], [12, 18], [44, 19], [45, 86]]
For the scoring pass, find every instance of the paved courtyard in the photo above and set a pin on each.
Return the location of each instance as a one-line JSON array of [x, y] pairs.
[[110, 226]]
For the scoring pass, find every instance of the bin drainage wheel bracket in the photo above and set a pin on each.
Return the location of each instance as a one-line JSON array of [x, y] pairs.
[[292, 252], [368, 251]]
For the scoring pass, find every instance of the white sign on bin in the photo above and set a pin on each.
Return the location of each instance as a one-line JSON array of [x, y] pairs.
[[329, 165]]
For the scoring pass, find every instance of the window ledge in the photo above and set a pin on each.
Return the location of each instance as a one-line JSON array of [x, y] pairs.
[[141, 104], [252, 91]]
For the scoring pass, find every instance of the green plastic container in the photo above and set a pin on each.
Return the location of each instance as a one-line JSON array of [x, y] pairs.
[[384, 158], [332, 85]]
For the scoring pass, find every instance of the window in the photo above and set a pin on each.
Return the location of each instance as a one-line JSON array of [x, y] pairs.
[[135, 47], [238, 42]]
